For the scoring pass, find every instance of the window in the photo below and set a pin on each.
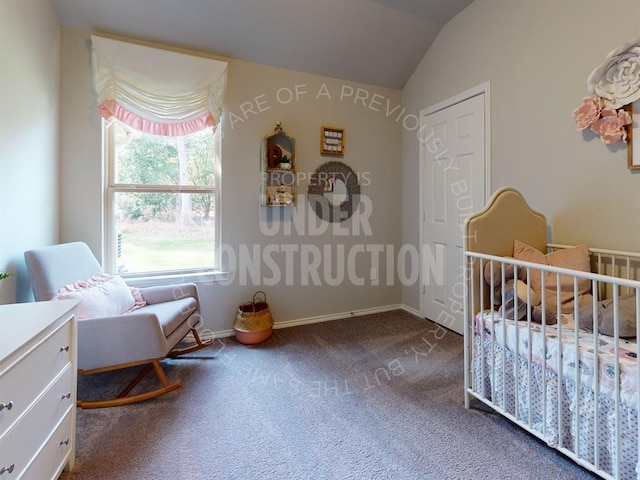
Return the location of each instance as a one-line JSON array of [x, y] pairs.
[[162, 197], [160, 111]]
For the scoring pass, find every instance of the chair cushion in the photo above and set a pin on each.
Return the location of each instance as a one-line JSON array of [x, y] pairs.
[[171, 314]]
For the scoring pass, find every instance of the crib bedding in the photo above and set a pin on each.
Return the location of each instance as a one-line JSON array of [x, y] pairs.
[[550, 405], [548, 401], [559, 343]]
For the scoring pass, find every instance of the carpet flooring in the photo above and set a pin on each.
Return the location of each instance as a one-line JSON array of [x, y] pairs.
[[371, 397]]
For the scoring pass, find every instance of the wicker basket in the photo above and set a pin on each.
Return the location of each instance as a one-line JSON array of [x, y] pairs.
[[253, 323]]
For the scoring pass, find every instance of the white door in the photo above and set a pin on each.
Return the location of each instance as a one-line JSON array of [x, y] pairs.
[[452, 157]]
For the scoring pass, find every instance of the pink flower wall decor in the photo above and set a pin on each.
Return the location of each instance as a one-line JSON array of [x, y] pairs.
[[587, 113], [613, 85], [611, 125], [607, 122]]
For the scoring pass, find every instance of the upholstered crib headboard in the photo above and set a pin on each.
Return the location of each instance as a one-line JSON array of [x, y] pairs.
[[492, 230], [506, 217]]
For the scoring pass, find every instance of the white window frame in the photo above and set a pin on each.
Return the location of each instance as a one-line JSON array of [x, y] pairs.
[[109, 230]]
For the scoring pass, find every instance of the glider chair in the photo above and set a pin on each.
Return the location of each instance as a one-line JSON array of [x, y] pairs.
[[116, 329]]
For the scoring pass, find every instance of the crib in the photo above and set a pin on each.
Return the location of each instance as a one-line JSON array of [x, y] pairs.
[[573, 382]]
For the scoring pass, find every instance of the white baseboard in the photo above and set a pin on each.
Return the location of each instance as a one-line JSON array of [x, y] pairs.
[[411, 310], [336, 316], [224, 333], [328, 318]]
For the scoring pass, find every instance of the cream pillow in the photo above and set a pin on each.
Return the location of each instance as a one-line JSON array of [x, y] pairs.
[[102, 295], [575, 258]]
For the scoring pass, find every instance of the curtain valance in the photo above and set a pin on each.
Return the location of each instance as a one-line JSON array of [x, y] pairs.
[[157, 91]]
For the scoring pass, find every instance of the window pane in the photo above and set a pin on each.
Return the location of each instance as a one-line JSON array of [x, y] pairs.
[[142, 158], [160, 232]]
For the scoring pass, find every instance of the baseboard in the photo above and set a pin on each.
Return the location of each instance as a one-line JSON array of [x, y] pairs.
[[336, 316], [411, 310], [221, 333], [328, 318]]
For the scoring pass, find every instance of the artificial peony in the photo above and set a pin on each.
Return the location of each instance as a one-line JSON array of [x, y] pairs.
[[611, 127], [587, 113]]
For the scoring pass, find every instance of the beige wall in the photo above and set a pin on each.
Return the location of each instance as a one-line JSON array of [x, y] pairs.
[[29, 55], [537, 55], [257, 97]]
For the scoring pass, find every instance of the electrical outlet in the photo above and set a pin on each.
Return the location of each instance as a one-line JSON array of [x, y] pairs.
[[373, 274]]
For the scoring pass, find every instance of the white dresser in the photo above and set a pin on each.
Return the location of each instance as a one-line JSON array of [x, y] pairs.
[[37, 389]]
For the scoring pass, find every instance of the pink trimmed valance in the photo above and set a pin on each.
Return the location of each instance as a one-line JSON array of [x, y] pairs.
[[109, 109], [157, 91]]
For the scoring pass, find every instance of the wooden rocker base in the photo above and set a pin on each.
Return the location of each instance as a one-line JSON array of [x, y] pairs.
[[124, 398], [176, 352]]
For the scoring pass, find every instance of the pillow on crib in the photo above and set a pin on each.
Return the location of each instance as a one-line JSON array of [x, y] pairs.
[[626, 316], [575, 258]]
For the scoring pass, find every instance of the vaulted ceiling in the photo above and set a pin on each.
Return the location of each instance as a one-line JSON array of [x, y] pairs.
[[378, 42]]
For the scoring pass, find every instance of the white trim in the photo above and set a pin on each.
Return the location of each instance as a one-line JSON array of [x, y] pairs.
[[412, 311], [110, 188], [483, 88], [108, 231], [336, 316], [328, 318], [198, 278], [460, 97]]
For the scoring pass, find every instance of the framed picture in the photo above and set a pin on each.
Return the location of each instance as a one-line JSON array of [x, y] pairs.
[[633, 133], [332, 141]]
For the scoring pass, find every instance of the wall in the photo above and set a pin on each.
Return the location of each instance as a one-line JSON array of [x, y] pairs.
[[537, 54], [257, 97], [30, 37]]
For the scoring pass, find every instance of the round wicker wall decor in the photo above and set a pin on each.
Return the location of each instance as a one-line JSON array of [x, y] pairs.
[[323, 180]]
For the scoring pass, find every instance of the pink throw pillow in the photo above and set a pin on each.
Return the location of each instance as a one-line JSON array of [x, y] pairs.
[[102, 295], [575, 258]]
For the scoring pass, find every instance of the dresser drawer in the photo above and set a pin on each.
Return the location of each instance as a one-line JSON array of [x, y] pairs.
[[54, 455], [27, 436], [23, 381]]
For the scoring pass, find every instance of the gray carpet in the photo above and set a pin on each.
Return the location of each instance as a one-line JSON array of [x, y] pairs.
[[372, 397]]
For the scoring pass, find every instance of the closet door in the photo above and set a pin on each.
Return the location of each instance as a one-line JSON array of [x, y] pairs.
[[453, 173]]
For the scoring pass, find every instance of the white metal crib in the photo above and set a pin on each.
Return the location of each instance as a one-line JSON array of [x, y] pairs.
[[576, 390]]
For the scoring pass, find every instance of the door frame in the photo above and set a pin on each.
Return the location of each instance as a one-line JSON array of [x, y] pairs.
[[483, 88]]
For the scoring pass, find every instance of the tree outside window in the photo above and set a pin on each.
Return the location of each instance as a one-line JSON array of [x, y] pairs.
[[162, 195]]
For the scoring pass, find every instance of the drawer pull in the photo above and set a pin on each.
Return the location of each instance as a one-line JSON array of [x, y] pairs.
[[64, 349], [8, 406], [66, 395], [65, 442], [8, 469]]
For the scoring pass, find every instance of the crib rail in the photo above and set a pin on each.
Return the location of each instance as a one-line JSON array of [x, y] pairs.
[[566, 386]]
